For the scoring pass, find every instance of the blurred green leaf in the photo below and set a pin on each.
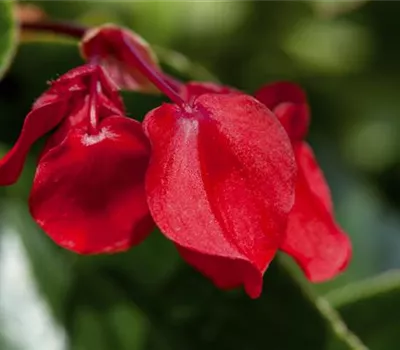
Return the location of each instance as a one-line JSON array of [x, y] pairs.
[[8, 34], [371, 309], [329, 47], [100, 316], [179, 65], [196, 315], [333, 8]]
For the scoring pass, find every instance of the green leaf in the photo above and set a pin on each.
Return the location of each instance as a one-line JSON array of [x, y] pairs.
[[371, 309], [8, 34]]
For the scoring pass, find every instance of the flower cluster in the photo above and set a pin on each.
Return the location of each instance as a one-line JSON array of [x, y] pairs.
[[226, 176]]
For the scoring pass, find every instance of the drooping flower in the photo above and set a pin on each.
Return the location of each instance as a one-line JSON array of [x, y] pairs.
[[220, 182], [88, 191], [313, 237], [220, 185]]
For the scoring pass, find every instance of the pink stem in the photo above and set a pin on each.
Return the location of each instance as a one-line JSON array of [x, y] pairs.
[[68, 29], [154, 76]]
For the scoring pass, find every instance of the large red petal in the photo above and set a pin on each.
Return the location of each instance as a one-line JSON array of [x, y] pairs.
[[288, 101], [88, 193], [220, 185], [313, 238]]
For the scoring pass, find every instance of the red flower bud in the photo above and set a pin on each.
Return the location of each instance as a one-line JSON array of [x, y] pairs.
[[106, 46], [313, 238], [289, 104], [220, 185]]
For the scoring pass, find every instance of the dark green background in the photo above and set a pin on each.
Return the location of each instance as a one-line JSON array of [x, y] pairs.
[[346, 56]]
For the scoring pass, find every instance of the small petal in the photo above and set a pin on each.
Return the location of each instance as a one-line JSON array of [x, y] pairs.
[[105, 45], [193, 89], [220, 185], [37, 123], [289, 103], [313, 238], [88, 193]]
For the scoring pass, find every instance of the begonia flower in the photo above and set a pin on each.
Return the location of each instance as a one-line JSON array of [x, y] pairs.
[[88, 192], [227, 177]]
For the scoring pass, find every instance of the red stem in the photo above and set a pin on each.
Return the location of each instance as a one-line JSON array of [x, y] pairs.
[[164, 83], [154, 76], [68, 29]]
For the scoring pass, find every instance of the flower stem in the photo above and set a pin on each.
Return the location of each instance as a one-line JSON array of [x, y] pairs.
[[164, 83], [64, 28], [95, 88], [153, 75]]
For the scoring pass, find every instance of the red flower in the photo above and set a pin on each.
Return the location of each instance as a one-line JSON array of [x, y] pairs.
[[88, 192], [220, 185], [313, 237]]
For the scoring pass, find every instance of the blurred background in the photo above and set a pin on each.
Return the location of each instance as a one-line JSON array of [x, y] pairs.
[[345, 55]]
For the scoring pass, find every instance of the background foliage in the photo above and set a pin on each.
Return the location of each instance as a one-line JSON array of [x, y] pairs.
[[344, 55]]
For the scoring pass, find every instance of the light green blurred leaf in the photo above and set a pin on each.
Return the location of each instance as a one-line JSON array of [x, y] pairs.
[[8, 34], [333, 8], [371, 309], [331, 47]]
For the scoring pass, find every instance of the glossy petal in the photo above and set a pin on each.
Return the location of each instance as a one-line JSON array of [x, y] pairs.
[[105, 45], [190, 91], [313, 238], [220, 185], [88, 192], [289, 103]]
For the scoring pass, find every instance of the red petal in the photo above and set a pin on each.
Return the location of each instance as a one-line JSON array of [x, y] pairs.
[[274, 94], [220, 185], [193, 89], [37, 123], [106, 46], [289, 103], [77, 80], [313, 238], [88, 192]]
